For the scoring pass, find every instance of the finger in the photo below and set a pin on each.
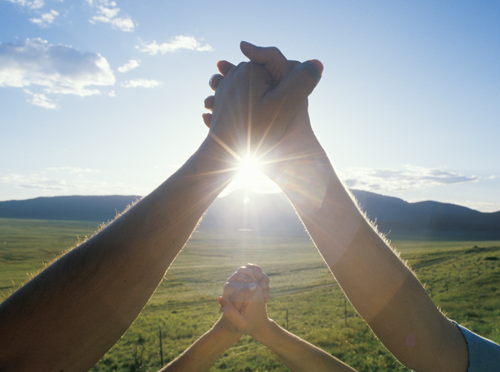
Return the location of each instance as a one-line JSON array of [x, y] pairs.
[[222, 302], [293, 91], [264, 282], [257, 271], [242, 294], [293, 63], [272, 58], [230, 312], [266, 296], [224, 67], [209, 102], [244, 270], [229, 289], [239, 277], [207, 119], [215, 80]]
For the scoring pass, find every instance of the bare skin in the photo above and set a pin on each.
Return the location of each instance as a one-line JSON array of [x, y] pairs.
[[243, 304], [247, 312], [209, 348], [380, 286], [68, 316]]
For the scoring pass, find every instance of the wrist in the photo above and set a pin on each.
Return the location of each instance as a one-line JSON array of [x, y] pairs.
[[226, 330], [213, 160], [266, 332], [299, 150]]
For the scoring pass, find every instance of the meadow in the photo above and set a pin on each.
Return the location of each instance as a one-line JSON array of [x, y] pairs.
[[462, 278]]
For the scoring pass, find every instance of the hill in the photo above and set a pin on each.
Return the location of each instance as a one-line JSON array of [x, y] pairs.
[[77, 208], [273, 214]]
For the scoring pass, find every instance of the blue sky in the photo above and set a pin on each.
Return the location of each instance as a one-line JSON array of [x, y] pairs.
[[105, 97]]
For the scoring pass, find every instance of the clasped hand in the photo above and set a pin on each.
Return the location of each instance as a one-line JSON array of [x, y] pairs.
[[255, 101], [243, 302]]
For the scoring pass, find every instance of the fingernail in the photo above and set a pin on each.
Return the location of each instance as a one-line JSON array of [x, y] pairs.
[[247, 43], [317, 65], [252, 287]]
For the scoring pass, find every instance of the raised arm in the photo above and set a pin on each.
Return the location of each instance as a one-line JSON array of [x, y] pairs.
[[68, 316], [209, 348], [383, 290], [249, 316], [380, 286]]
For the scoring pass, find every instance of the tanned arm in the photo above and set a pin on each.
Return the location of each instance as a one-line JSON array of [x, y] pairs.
[[248, 314], [209, 348], [380, 286], [67, 317]]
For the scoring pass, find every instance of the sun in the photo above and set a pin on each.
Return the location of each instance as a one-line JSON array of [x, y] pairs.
[[251, 178], [249, 167]]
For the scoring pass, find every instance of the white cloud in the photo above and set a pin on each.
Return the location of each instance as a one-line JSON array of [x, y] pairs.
[[58, 69], [143, 83], [107, 11], [33, 4], [45, 19], [73, 170], [179, 42], [65, 181], [411, 177], [133, 63], [34, 182], [40, 100]]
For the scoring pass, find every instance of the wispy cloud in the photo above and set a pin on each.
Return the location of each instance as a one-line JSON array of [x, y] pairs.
[[40, 99], [178, 42], [58, 69], [33, 4], [34, 182], [65, 180], [45, 19], [107, 12], [142, 83], [73, 170], [410, 177], [130, 65]]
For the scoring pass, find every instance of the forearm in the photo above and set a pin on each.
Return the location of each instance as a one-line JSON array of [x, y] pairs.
[[205, 351], [73, 312], [298, 355], [378, 284]]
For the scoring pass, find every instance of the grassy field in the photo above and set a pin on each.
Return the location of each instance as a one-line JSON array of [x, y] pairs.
[[462, 277]]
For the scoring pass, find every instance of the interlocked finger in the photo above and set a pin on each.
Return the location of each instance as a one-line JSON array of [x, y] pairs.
[[215, 80], [224, 67]]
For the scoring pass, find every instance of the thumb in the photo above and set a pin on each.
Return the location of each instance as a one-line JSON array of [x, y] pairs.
[[242, 294], [294, 89], [271, 57], [230, 312]]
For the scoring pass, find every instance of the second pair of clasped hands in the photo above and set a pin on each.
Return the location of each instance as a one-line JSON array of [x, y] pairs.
[[243, 304]]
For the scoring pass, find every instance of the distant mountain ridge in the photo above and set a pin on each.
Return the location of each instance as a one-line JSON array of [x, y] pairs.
[[78, 208], [272, 213]]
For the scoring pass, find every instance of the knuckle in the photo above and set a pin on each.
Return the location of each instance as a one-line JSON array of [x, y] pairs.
[[274, 51], [310, 70]]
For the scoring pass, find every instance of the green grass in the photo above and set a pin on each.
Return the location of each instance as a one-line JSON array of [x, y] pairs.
[[27, 245], [462, 281]]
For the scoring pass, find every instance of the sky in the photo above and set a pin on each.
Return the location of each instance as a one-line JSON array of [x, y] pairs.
[[101, 97]]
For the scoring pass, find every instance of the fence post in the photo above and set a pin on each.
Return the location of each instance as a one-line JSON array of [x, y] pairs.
[[161, 349]]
